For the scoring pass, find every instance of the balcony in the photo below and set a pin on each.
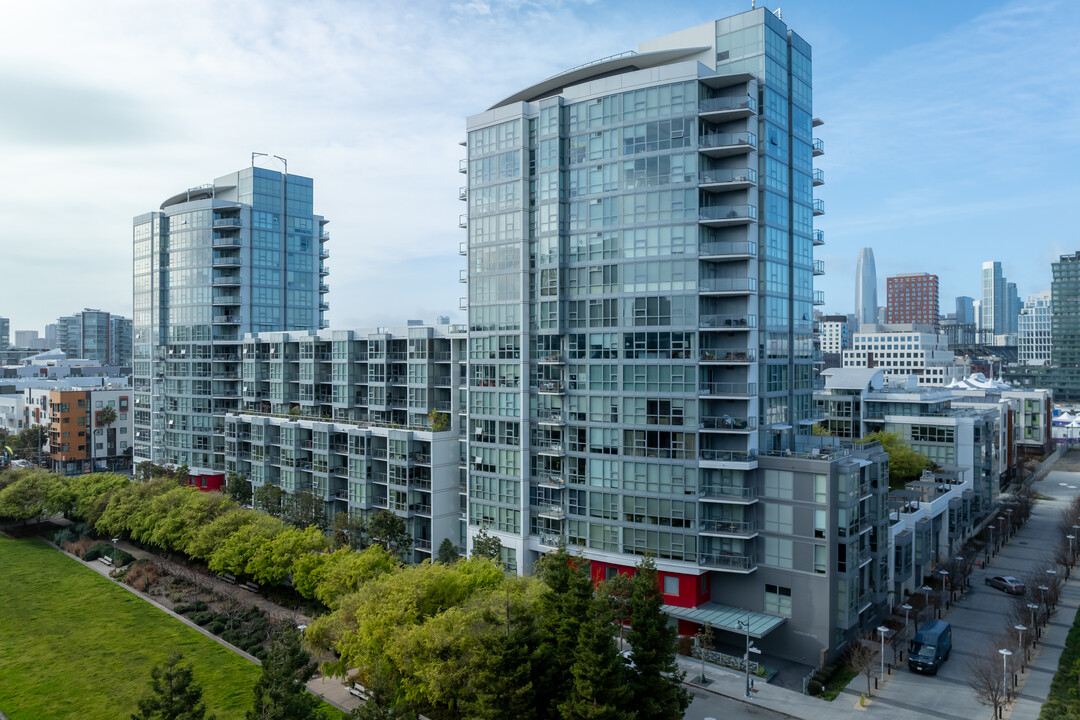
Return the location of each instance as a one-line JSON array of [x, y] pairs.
[[226, 282], [324, 254], [819, 177], [726, 144], [463, 303], [729, 528], [727, 389], [819, 267], [551, 540], [551, 419], [553, 482], [552, 512], [226, 320], [551, 359], [550, 448], [727, 323], [463, 247], [463, 221], [720, 215], [226, 299], [227, 262], [727, 251], [819, 237], [727, 108], [463, 276], [725, 180], [323, 271], [463, 165], [728, 357], [227, 222], [227, 242], [819, 207], [550, 387], [727, 286], [818, 147], [742, 457], [463, 193], [737, 494], [323, 288], [324, 306], [727, 424], [819, 297], [729, 562]]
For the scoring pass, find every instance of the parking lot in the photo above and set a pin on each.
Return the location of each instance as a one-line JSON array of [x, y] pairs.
[[982, 614]]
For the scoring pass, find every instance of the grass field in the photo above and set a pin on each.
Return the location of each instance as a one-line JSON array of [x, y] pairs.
[[75, 645]]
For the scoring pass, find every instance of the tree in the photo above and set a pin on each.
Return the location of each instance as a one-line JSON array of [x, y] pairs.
[[447, 552], [390, 531], [34, 495], [106, 416], [348, 530], [238, 488], [617, 590], [985, 676], [281, 692], [174, 694], [599, 689], [269, 499], [704, 638], [657, 682], [562, 611], [304, 508], [486, 545], [862, 657], [904, 463]]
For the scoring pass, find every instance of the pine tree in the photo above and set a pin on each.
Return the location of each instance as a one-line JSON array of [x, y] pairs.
[[281, 692], [503, 681], [656, 681], [599, 690], [447, 552], [174, 694], [562, 611]]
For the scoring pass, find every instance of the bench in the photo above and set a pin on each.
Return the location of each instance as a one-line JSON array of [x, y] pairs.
[[359, 691], [228, 578], [106, 560], [250, 587]]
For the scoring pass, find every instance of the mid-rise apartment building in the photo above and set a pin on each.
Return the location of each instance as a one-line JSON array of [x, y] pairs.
[[1035, 339], [912, 300], [904, 350], [367, 420], [242, 254], [95, 335]]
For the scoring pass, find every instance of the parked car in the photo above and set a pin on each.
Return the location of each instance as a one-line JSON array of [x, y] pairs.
[[930, 647], [1007, 583]]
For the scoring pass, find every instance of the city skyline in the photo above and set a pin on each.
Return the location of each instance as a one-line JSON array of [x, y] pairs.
[[341, 93]]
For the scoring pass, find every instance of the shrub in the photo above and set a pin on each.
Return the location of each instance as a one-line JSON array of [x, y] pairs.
[[202, 618], [79, 547], [142, 574], [82, 529], [98, 550], [63, 536], [814, 687], [196, 607]]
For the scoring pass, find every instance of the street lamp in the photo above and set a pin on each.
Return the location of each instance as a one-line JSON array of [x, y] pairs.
[[1008, 512], [1004, 529], [114, 550], [1075, 528], [944, 580], [1005, 673], [883, 630], [1071, 538], [1034, 638], [990, 545], [926, 595], [745, 626], [906, 608], [1023, 651], [1053, 579]]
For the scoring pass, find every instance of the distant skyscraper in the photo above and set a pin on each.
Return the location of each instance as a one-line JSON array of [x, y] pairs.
[[1012, 308], [866, 304], [1034, 329], [965, 310], [994, 300], [242, 254], [94, 335], [912, 299], [5, 330]]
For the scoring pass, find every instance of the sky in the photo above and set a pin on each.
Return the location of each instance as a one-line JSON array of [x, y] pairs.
[[952, 131]]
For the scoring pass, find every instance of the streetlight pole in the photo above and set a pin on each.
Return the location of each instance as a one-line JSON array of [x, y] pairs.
[[926, 596], [906, 608], [883, 630], [1023, 650], [990, 545], [1053, 579], [944, 581], [1067, 567], [1008, 511], [1004, 674], [1004, 530], [1034, 638], [960, 569], [745, 626], [114, 551]]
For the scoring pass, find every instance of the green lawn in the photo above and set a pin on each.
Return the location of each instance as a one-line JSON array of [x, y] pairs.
[[74, 645]]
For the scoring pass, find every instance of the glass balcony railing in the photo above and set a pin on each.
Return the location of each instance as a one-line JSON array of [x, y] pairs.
[[818, 147], [727, 322], [737, 140], [727, 212], [721, 249], [711, 105], [732, 285], [735, 175], [819, 237]]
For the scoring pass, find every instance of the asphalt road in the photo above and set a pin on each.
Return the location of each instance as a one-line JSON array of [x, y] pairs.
[[981, 615]]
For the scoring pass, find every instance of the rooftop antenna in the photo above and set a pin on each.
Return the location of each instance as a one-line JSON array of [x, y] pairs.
[[753, 4], [778, 15], [277, 157]]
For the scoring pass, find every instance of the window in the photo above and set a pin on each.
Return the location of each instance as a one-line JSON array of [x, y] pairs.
[[778, 600], [671, 585]]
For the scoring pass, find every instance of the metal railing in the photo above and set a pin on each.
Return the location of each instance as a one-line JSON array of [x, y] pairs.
[[728, 212]]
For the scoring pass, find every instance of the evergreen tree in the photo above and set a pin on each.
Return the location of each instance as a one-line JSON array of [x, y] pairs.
[[600, 689], [390, 531], [174, 694], [486, 545], [656, 681], [562, 610], [447, 552], [503, 679], [281, 693], [238, 488]]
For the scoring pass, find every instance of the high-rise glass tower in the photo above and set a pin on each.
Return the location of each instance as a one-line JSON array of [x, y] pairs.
[[242, 254], [866, 305], [965, 310], [994, 300]]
